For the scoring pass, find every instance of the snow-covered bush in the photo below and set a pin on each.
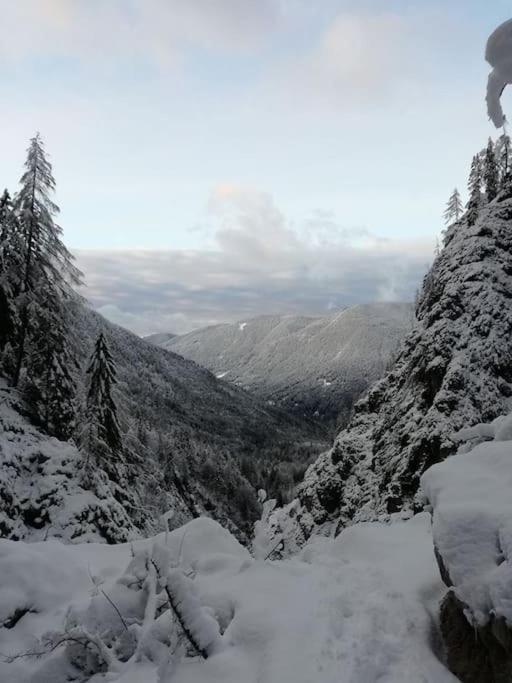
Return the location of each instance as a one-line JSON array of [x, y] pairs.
[[126, 622], [152, 613]]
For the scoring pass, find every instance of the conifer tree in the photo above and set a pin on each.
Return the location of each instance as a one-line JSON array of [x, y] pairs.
[[47, 264], [502, 153], [101, 436], [490, 173], [11, 259], [50, 386], [454, 208], [475, 190]]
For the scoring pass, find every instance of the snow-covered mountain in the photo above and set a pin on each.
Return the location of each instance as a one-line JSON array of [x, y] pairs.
[[311, 366], [453, 370], [159, 338], [188, 431]]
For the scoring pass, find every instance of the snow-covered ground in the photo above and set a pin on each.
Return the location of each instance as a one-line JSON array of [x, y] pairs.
[[360, 608]]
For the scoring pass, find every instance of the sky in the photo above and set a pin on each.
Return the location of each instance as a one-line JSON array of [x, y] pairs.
[[219, 159]]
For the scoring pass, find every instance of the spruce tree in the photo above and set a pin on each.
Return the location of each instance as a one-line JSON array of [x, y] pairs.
[[101, 436], [491, 176], [11, 259], [475, 190], [50, 387], [502, 153], [454, 208], [47, 264]]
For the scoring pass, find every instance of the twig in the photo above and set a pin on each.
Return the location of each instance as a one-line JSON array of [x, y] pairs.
[[179, 617], [274, 548], [115, 607]]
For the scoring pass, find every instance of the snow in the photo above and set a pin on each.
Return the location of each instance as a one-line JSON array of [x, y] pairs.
[[499, 56], [472, 521], [359, 608]]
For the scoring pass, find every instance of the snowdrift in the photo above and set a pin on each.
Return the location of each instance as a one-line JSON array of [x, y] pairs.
[[358, 608]]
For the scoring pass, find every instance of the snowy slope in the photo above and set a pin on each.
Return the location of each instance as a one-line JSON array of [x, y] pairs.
[[453, 370], [312, 366], [41, 493], [358, 609], [187, 432], [159, 338]]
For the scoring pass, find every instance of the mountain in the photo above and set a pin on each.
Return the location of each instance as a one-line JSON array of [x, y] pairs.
[[454, 369], [159, 338], [309, 366], [189, 435]]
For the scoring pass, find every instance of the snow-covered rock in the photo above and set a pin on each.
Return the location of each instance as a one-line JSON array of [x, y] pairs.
[[471, 497], [453, 371]]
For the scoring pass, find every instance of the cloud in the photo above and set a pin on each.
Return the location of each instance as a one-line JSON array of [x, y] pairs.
[[154, 30], [257, 262], [359, 56]]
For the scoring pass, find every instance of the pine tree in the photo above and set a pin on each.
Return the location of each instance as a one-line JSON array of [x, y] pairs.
[[101, 436], [490, 173], [502, 153], [11, 259], [49, 386], [47, 264], [475, 190], [454, 208]]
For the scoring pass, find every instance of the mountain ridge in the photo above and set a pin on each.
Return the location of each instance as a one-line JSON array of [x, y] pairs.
[[310, 366]]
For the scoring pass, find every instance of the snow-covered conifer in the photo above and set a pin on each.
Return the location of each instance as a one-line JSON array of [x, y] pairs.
[[47, 263], [100, 434], [475, 190], [49, 386], [454, 208], [490, 172], [11, 258], [502, 153]]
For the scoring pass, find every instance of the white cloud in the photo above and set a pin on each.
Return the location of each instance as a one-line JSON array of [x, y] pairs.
[[154, 30], [257, 263]]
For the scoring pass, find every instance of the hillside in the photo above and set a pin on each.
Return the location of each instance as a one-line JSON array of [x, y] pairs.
[[310, 366], [453, 370], [189, 432], [159, 338]]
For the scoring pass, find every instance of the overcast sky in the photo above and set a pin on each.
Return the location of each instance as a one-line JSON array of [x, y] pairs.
[[217, 159]]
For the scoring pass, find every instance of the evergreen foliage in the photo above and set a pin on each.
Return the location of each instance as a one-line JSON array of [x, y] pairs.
[[101, 435], [475, 190], [454, 208], [49, 385], [47, 264], [11, 258], [490, 172]]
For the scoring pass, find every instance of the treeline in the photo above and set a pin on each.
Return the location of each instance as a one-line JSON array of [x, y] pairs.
[[38, 353], [489, 175]]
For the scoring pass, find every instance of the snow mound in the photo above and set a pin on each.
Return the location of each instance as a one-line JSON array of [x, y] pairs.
[[471, 495], [357, 608]]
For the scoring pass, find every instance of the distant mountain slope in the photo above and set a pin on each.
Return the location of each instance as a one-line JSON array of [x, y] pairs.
[[189, 434], [159, 338], [312, 366]]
